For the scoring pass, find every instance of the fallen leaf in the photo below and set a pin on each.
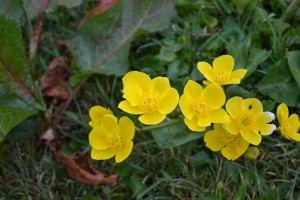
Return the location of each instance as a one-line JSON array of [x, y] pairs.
[[77, 165], [101, 7], [54, 81]]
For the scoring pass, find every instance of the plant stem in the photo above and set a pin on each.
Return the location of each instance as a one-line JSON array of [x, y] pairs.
[[162, 125]]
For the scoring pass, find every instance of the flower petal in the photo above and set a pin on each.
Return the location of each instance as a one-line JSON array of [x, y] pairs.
[[231, 127], [230, 153], [282, 112], [219, 116], [241, 145], [295, 136], [213, 140], [133, 94], [251, 137], [267, 129], [193, 125], [160, 84], [186, 106], [169, 101], [253, 105], [109, 124], [126, 107], [206, 70], [223, 63], [127, 128], [234, 107], [294, 121], [97, 112], [204, 121], [102, 154], [139, 79], [152, 118], [193, 90], [97, 138], [214, 96], [123, 153], [238, 74]]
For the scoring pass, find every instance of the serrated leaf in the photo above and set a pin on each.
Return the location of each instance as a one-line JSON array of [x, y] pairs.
[[11, 117], [174, 135], [108, 54], [279, 84], [294, 64]]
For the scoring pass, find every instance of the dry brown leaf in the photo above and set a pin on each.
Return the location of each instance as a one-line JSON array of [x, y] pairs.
[[76, 165], [54, 81], [101, 7]]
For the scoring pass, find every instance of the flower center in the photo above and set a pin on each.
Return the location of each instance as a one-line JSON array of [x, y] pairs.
[[287, 127], [200, 109], [246, 121], [221, 76], [229, 139], [150, 103], [115, 140]]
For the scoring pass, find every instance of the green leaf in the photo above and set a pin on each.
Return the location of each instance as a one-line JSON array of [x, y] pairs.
[[108, 54], [280, 85], [294, 64], [11, 117], [234, 90], [174, 135], [12, 9]]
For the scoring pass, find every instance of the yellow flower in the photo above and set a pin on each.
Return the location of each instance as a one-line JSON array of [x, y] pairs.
[[152, 98], [231, 146], [97, 113], [221, 72], [252, 153], [112, 138], [247, 117], [201, 107], [289, 125]]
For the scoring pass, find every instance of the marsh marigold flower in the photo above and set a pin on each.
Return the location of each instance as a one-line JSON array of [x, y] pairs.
[[201, 107], [152, 98], [289, 125], [221, 72], [248, 119], [112, 138], [97, 113], [231, 146]]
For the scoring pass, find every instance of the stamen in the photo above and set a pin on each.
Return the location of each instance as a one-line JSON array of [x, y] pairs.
[[200, 109], [221, 76], [115, 140], [150, 103]]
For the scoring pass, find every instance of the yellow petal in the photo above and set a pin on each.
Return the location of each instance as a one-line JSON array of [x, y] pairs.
[[251, 137], [97, 138], [241, 145], [234, 107], [97, 112], [139, 79], [152, 118], [214, 96], [207, 82], [124, 152], [238, 74], [295, 136], [169, 101], [206, 70], [294, 121], [282, 112], [133, 94], [231, 81], [193, 90], [127, 128], [126, 107], [267, 129], [223, 63], [253, 105], [160, 84], [193, 125], [262, 120], [230, 153], [204, 121], [186, 106], [102, 154], [231, 127], [213, 140], [219, 116], [109, 124]]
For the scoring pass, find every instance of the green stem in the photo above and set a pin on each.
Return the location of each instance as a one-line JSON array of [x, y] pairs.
[[162, 125]]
